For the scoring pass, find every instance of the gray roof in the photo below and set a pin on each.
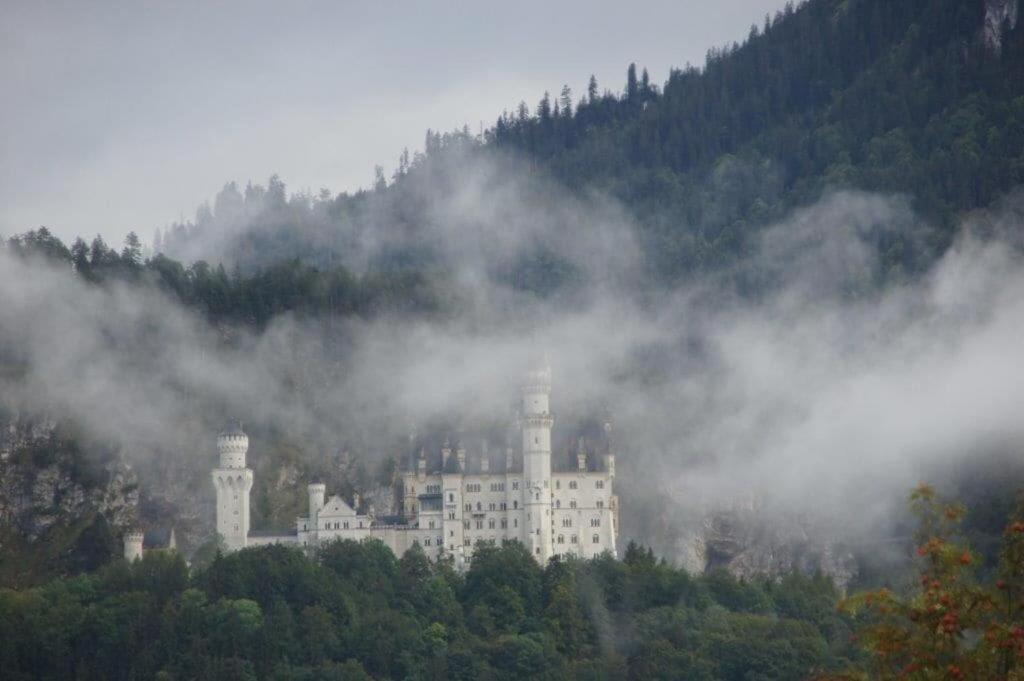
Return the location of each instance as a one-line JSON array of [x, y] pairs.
[[233, 427]]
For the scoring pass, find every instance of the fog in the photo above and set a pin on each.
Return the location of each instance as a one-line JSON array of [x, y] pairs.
[[819, 394]]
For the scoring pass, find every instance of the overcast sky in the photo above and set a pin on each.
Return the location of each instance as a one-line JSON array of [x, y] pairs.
[[121, 116]]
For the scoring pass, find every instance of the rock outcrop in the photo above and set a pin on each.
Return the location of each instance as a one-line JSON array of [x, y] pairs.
[[998, 13]]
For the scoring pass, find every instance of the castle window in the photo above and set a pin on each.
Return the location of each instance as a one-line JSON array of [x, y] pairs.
[[492, 506], [558, 503], [515, 522], [426, 542], [566, 522], [431, 524], [558, 484], [536, 440], [515, 504], [573, 484], [599, 484], [595, 522], [596, 539], [465, 542], [561, 539], [575, 539], [515, 484], [345, 525], [465, 524], [451, 515], [451, 497], [479, 506], [490, 524], [600, 503], [572, 503], [451, 533], [479, 524], [504, 523], [469, 507], [504, 506]]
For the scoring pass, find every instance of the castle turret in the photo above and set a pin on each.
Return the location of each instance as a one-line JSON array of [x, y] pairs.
[[317, 499], [133, 545], [581, 454], [233, 482], [609, 455], [460, 454], [536, 421], [421, 465], [446, 453], [485, 458]]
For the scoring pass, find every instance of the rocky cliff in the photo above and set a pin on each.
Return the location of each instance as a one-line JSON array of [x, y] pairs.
[[61, 509], [998, 13]]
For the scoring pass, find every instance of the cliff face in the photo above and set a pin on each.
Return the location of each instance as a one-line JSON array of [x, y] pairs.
[[997, 14], [739, 536], [59, 512], [745, 544]]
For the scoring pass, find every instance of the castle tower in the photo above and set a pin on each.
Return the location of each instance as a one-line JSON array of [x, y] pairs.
[[233, 482], [536, 421], [317, 499], [609, 455], [133, 545]]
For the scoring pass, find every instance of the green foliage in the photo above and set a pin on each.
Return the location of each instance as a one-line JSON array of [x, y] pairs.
[[359, 613]]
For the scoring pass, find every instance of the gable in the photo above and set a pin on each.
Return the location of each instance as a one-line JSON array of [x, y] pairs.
[[335, 508]]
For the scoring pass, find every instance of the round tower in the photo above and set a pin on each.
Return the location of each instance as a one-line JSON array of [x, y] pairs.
[[232, 444], [536, 421], [233, 482], [133, 545], [317, 496]]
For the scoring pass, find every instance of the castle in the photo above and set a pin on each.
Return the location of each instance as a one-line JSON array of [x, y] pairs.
[[458, 501]]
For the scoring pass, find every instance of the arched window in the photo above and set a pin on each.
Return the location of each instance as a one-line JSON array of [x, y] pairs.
[[597, 539], [561, 539]]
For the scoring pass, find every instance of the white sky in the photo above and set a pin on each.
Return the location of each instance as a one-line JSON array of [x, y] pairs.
[[121, 116]]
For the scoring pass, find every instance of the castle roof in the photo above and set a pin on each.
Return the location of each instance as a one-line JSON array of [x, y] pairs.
[[336, 506], [232, 427]]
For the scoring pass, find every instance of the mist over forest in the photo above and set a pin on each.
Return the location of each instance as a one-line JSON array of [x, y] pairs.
[[792, 279]]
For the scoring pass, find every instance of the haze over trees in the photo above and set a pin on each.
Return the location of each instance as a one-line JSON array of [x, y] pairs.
[[903, 97]]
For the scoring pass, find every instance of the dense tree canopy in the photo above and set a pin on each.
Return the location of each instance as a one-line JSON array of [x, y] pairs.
[[358, 612]]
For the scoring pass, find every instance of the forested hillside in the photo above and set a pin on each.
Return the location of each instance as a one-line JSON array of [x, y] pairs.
[[909, 97], [575, 222]]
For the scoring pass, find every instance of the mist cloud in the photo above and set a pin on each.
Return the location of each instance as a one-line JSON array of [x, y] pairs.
[[819, 393]]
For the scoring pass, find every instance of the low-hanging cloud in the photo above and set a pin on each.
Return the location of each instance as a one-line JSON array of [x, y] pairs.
[[820, 393]]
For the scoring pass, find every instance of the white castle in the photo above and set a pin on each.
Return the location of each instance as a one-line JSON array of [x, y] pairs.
[[448, 508]]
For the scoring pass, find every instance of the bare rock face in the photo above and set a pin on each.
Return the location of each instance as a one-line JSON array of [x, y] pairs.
[[743, 542], [44, 484], [997, 14]]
